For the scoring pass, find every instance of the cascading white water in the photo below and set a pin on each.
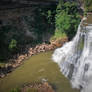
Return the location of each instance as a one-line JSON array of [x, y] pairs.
[[75, 59]]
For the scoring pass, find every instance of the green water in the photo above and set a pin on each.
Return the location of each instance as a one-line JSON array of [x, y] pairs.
[[34, 70]]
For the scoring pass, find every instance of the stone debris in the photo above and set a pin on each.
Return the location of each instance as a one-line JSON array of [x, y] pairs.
[[18, 60], [38, 87]]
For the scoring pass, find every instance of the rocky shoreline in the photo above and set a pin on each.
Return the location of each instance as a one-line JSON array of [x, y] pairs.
[[37, 87], [16, 61]]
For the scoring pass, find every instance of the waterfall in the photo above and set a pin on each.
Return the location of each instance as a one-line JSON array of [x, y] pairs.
[[75, 58]]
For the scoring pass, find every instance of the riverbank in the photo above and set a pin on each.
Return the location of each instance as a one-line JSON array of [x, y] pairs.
[[35, 87], [37, 69], [18, 59]]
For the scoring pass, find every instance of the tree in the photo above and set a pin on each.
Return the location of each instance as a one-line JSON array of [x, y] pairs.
[[67, 18], [13, 45]]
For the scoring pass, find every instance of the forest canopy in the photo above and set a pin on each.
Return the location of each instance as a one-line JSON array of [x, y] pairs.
[[67, 18]]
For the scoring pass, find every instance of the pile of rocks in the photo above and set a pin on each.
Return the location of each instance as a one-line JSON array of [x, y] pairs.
[[32, 51], [40, 48], [5, 70], [38, 87], [18, 60]]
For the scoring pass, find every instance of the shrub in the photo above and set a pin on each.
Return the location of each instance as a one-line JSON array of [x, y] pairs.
[[13, 44], [15, 90]]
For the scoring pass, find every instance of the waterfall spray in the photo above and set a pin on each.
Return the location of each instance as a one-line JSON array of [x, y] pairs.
[[75, 58]]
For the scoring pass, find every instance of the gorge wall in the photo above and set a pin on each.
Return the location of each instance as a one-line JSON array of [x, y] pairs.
[[24, 24]]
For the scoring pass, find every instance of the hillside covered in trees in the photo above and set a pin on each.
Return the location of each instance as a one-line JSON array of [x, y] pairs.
[[28, 27], [26, 23], [55, 20]]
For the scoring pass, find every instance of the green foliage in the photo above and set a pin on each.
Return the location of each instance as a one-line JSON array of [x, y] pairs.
[[42, 21], [88, 5], [12, 44], [49, 17], [67, 18], [85, 13], [8, 41], [15, 90], [58, 34], [32, 90], [13, 38]]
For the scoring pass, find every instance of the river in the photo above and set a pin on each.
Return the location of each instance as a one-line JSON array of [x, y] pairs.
[[35, 69]]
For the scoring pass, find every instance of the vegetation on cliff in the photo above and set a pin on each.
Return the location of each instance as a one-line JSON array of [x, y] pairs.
[[31, 28], [38, 25], [88, 5], [67, 19]]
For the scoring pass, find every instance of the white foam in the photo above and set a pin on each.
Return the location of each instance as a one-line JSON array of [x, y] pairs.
[[75, 59]]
